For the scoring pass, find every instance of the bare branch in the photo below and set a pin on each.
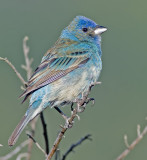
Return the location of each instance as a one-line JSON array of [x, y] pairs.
[[130, 147], [28, 70], [28, 61], [14, 69], [15, 151], [45, 132], [22, 155], [126, 141], [37, 144], [75, 145]]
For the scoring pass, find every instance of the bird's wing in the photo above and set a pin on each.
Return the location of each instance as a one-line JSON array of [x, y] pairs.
[[58, 62]]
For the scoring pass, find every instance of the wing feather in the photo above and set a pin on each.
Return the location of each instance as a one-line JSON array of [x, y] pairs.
[[56, 65]]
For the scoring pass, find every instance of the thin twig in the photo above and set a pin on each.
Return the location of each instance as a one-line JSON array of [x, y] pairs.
[[22, 155], [140, 135], [126, 141], [14, 69], [28, 61], [70, 120], [15, 151], [37, 144], [28, 69], [75, 145], [57, 154], [45, 132]]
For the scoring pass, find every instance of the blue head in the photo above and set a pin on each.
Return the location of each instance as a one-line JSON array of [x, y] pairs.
[[83, 29]]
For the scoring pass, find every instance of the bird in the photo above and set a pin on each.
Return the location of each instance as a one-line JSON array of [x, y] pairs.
[[66, 70]]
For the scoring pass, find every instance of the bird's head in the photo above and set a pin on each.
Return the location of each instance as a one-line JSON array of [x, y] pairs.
[[83, 29]]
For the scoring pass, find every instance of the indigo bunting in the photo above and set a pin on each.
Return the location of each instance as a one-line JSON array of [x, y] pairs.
[[66, 70]]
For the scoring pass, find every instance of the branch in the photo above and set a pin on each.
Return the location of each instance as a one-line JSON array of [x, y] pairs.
[[75, 145], [14, 69], [70, 120], [15, 151], [28, 61], [45, 132], [22, 155], [37, 144], [130, 147], [28, 69]]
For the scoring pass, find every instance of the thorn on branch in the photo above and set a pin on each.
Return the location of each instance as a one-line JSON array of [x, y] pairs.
[[126, 141], [138, 130]]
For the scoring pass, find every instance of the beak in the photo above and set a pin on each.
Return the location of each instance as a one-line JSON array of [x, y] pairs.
[[99, 30]]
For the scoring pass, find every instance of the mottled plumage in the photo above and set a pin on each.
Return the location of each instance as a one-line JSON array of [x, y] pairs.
[[66, 70]]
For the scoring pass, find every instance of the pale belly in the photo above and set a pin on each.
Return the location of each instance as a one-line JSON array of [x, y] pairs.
[[68, 88], [72, 87]]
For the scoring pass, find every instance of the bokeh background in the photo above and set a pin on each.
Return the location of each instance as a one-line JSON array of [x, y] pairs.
[[121, 100]]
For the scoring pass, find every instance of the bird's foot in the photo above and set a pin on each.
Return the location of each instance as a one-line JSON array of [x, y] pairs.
[[81, 108], [93, 84], [68, 124], [90, 100]]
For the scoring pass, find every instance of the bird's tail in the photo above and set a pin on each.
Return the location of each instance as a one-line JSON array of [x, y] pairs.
[[21, 125]]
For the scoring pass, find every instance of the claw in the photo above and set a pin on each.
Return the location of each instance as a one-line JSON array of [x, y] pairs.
[[68, 124], [89, 100], [93, 84], [81, 108]]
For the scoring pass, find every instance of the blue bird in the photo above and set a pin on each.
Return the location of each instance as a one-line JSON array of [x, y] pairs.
[[66, 70]]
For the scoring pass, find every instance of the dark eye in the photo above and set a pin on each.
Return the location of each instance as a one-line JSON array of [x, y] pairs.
[[85, 29]]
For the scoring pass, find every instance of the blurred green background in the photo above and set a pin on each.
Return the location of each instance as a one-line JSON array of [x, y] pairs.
[[120, 100]]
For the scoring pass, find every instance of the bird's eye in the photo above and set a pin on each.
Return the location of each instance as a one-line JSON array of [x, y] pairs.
[[85, 29]]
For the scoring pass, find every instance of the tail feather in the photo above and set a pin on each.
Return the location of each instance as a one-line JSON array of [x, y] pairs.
[[19, 128]]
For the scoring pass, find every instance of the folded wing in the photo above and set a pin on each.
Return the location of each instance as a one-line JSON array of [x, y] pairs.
[[57, 63]]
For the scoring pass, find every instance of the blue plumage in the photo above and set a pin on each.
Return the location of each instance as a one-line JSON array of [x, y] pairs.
[[66, 70]]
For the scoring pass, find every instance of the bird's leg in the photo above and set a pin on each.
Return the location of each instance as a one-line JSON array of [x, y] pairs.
[[69, 125], [72, 106], [93, 84], [62, 114], [89, 100], [81, 103], [85, 100]]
